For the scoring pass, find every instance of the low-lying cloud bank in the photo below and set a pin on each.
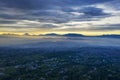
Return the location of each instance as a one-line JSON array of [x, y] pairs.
[[58, 43]]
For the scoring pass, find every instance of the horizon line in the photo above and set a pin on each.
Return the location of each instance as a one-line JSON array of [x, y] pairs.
[[29, 34]]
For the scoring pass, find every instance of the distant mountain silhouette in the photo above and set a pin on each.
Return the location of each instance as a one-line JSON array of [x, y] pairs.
[[80, 35], [9, 34], [26, 34], [73, 35], [66, 35], [52, 34], [110, 36]]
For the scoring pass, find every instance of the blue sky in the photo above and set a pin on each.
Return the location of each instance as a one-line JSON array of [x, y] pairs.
[[62, 16]]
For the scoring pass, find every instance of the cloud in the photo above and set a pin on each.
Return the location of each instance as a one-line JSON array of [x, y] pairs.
[[43, 4], [56, 14], [111, 27], [92, 11], [7, 22], [108, 27]]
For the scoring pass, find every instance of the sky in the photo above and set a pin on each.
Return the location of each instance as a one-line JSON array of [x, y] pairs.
[[88, 17]]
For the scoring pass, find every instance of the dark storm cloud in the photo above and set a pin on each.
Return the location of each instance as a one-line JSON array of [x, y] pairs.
[[51, 11], [63, 16], [41, 5], [38, 4], [92, 11], [20, 4], [7, 16]]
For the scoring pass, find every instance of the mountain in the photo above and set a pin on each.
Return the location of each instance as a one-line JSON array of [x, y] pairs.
[[73, 35], [52, 34], [111, 36], [66, 35], [26, 34], [80, 35]]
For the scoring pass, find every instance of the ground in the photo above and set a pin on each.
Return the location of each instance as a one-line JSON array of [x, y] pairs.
[[86, 63]]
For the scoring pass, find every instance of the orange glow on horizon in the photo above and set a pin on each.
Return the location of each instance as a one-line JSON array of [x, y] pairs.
[[88, 33]]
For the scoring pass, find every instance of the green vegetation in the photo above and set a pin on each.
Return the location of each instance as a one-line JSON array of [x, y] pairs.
[[80, 64]]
